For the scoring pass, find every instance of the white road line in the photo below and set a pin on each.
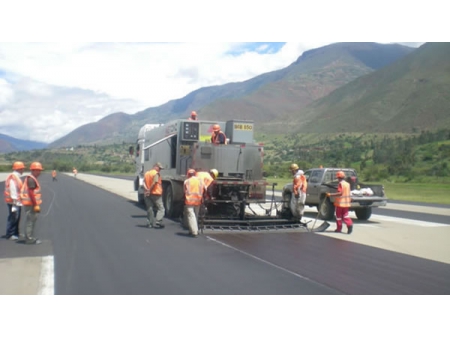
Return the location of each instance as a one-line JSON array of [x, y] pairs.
[[47, 278], [264, 261], [407, 221]]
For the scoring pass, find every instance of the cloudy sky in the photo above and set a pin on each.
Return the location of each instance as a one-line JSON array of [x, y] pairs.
[[47, 89]]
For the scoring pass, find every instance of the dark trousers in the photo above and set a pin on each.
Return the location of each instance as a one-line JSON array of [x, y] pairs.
[[12, 223]]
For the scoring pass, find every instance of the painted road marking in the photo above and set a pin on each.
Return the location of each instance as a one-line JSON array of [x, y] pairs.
[[47, 278], [408, 221]]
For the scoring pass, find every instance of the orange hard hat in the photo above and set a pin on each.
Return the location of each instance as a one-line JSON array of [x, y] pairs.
[[18, 165], [340, 174], [193, 113], [191, 172], [216, 127], [36, 166]]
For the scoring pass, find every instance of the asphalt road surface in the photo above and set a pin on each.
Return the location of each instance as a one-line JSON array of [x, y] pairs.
[[100, 245]]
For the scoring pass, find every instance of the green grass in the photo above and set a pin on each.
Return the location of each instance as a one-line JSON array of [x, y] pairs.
[[418, 192]]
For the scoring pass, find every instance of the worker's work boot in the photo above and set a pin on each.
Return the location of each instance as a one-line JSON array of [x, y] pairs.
[[349, 229]]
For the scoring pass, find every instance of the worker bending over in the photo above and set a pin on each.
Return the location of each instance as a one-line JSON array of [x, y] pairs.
[[299, 186]]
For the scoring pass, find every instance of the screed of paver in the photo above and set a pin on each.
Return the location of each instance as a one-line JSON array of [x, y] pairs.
[[20, 276]]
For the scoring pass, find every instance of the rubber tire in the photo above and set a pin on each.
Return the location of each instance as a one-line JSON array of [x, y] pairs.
[[363, 214], [141, 199], [326, 211], [172, 209], [168, 201]]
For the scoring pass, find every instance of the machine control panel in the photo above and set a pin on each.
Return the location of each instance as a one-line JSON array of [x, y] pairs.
[[191, 131]]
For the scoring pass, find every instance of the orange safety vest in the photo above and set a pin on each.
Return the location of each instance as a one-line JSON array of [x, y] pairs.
[[300, 184], [215, 138], [54, 173], [345, 200], [148, 178], [7, 193], [205, 177], [193, 191], [24, 192]]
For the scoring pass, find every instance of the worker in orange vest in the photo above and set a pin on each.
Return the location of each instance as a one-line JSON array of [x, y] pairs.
[[54, 175], [75, 172], [153, 191], [194, 189], [298, 198], [31, 199], [342, 203], [13, 184], [207, 178], [218, 136], [193, 116]]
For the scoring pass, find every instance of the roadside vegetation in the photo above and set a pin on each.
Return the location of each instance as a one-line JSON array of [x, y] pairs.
[[412, 167]]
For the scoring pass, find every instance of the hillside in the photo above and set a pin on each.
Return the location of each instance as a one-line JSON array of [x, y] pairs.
[[9, 144], [408, 95], [314, 75]]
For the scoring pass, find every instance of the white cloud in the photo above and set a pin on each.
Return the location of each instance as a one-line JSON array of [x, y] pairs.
[[63, 86]]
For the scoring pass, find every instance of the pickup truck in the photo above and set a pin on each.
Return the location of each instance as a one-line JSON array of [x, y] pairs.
[[323, 180]]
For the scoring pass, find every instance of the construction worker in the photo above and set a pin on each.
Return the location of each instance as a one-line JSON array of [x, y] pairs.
[[194, 189], [299, 186], [75, 172], [342, 203], [54, 175], [207, 178], [218, 136], [31, 199], [153, 191], [13, 184], [193, 116]]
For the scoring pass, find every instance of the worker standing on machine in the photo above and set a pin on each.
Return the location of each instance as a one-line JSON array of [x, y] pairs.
[[193, 196], [298, 197], [218, 136], [193, 116]]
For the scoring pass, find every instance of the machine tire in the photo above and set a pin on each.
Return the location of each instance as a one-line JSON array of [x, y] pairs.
[[363, 214], [141, 199], [172, 208], [326, 209]]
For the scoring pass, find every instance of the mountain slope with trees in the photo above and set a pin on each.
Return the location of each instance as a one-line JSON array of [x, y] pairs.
[[411, 94], [314, 75]]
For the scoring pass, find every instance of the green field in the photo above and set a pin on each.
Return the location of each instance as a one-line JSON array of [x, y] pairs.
[[412, 192]]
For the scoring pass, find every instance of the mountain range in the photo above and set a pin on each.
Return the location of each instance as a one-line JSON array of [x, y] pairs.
[[10, 144], [340, 87]]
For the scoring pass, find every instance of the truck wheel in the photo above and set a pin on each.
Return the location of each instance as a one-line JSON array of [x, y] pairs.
[[172, 208], [141, 199], [363, 214], [326, 209]]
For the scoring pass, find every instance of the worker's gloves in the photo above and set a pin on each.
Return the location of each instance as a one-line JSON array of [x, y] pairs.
[[297, 197], [13, 208], [37, 209]]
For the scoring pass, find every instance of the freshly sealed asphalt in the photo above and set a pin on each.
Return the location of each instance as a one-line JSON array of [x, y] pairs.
[[101, 246]]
